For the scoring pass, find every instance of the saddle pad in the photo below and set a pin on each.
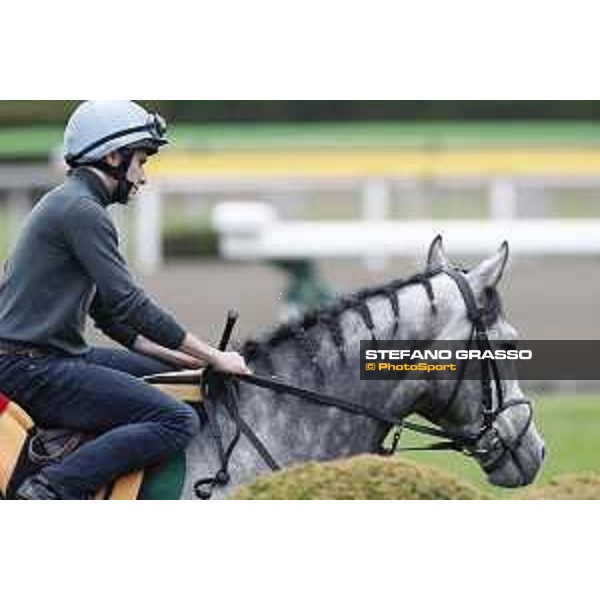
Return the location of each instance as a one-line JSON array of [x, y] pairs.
[[183, 392], [125, 488], [182, 385], [165, 481], [14, 428], [161, 482]]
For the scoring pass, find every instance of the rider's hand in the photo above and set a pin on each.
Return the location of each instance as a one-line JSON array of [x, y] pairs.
[[230, 362]]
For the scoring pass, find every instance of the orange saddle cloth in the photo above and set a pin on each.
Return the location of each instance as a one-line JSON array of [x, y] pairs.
[[17, 431]]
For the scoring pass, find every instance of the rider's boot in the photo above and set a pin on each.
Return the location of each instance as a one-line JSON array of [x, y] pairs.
[[37, 487]]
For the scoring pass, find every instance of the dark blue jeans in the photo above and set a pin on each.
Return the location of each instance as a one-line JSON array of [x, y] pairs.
[[99, 393]]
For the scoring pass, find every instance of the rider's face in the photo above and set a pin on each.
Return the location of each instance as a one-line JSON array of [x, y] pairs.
[[136, 173]]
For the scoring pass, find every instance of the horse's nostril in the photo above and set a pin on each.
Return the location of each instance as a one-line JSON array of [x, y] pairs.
[[543, 452]]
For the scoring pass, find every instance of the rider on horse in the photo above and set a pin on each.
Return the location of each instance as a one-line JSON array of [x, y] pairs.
[[67, 264]]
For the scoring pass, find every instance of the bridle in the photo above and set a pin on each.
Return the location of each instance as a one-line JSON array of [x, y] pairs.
[[495, 450], [488, 445], [489, 368]]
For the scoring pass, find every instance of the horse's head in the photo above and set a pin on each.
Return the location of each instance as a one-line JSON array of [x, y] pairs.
[[510, 450]]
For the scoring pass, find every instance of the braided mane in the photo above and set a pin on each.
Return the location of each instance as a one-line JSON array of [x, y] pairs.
[[329, 314]]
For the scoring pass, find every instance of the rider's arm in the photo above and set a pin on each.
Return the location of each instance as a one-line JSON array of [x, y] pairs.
[[127, 336], [173, 357], [94, 241], [193, 354], [118, 331], [222, 361]]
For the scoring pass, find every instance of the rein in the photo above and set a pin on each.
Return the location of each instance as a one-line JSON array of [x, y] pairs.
[[224, 388]]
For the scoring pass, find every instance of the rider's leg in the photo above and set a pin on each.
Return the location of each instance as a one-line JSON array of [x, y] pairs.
[[141, 425], [127, 361]]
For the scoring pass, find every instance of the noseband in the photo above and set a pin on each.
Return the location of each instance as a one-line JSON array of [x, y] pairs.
[[488, 446], [496, 450]]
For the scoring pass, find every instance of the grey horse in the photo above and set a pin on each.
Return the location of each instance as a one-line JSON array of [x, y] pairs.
[[321, 352]]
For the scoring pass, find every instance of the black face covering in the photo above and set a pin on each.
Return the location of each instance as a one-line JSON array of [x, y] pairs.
[[119, 174]]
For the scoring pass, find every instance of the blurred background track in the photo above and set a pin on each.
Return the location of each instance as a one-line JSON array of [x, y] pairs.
[[403, 161], [549, 299], [317, 170]]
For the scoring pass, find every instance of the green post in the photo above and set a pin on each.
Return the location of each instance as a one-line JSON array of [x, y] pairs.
[[306, 290]]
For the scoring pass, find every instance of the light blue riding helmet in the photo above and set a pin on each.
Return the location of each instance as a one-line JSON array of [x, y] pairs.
[[98, 127]]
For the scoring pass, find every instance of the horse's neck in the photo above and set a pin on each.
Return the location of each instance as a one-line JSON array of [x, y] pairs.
[[298, 430]]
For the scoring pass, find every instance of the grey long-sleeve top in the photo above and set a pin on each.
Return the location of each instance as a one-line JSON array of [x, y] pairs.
[[67, 254]]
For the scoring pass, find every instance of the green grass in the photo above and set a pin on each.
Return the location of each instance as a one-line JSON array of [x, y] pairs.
[[35, 143], [388, 134], [570, 426], [568, 423]]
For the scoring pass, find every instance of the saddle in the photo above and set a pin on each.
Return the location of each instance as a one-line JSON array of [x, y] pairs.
[[26, 449]]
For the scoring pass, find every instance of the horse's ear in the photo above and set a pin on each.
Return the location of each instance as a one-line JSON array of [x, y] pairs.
[[489, 273], [436, 258]]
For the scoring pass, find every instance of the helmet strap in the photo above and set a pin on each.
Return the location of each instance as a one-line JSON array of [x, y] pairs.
[[119, 174]]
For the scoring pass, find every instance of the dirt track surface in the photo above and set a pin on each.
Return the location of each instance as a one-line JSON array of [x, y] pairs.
[[543, 298]]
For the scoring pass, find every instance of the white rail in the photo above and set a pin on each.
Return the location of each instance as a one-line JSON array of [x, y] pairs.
[[251, 231]]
